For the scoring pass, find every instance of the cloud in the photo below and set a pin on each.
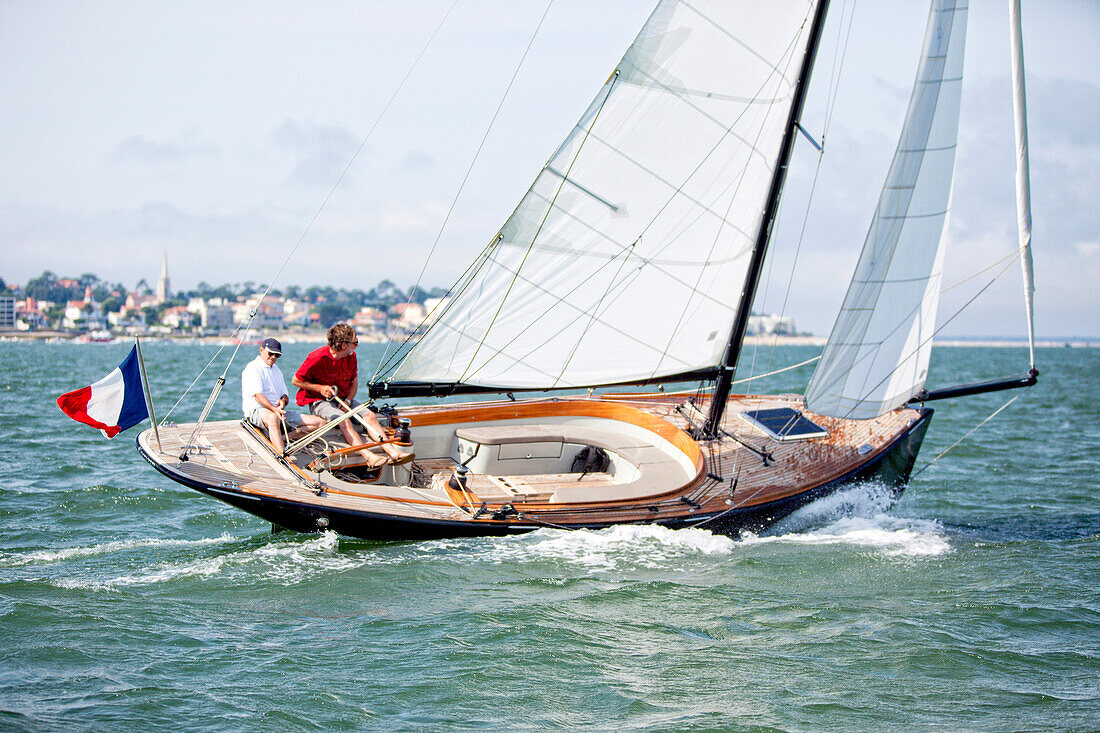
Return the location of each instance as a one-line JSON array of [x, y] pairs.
[[1087, 250], [322, 151], [138, 148], [424, 218], [418, 161]]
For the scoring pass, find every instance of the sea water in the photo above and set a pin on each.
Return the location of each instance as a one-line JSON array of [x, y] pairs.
[[128, 602]]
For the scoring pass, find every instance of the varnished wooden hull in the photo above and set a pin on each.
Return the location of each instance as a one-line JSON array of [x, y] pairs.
[[759, 497]]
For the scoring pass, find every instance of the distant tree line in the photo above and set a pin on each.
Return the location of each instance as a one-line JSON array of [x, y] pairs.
[[333, 304]]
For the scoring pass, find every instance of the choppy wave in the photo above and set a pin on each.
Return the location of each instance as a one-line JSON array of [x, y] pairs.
[[285, 561], [857, 517], [607, 549], [853, 518], [43, 557], [889, 535]]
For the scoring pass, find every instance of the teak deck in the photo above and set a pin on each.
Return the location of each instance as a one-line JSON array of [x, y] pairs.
[[236, 464]]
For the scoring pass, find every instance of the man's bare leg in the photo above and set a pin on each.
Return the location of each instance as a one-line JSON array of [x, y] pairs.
[[376, 429], [272, 424]]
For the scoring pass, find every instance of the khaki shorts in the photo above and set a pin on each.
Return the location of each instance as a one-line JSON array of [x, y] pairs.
[[329, 411], [293, 420]]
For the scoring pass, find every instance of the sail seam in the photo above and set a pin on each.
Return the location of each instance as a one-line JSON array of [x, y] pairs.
[[929, 70], [777, 76], [581, 312], [534, 238]]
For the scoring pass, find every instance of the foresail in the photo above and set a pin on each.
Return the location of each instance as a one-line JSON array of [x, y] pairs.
[[877, 356], [624, 260]]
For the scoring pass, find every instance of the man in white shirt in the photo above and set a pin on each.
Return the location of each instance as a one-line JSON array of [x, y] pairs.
[[264, 398]]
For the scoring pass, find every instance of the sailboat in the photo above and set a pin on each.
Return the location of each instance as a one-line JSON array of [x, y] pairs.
[[633, 259]]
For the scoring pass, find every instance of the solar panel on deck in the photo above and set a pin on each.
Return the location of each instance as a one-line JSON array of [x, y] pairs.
[[783, 423]]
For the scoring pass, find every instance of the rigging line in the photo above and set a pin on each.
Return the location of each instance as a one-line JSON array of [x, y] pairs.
[[1011, 255], [359, 149], [465, 279], [956, 443], [935, 331], [728, 130], [779, 77], [589, 132], [915, 137], [777, 371], [794, 263], [229, 339], [248, 324], [469, 170], [164, 420], [534, 238], [833, 95], [592, 319]]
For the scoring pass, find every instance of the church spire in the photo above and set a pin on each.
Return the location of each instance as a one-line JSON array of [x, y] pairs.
[[163, 290]]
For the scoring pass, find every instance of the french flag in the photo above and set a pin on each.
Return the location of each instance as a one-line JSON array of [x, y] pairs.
[[112, 404]]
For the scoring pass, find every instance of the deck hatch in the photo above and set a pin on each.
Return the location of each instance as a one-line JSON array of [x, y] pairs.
[[783, 423]]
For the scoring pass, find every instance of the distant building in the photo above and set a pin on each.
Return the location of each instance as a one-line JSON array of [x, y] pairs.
[[770, 325], [269, 312], [164, 291], [29, 315], [435, 307], [214, 314], [296, 318], [127, 319], [85, 314], [409, 316], [369, 320], [137, 301], [176, 318], [7, 313]]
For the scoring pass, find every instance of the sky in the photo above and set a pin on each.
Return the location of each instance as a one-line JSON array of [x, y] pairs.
[[230, 136]]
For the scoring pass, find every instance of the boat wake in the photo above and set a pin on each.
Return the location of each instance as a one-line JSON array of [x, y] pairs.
[[285, 561], [856, 518], [646, 546], [46, 557]]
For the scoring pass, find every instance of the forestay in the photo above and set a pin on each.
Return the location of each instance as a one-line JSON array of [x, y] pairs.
[[624, 260], [877, 355]]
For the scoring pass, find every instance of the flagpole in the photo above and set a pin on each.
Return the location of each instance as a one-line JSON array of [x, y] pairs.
[[148, 397]]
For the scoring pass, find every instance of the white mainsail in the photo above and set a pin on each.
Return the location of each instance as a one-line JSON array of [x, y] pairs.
[[624, 260], [877, 356]]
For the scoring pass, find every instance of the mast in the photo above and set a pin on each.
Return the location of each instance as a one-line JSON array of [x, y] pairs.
[[752, 277]]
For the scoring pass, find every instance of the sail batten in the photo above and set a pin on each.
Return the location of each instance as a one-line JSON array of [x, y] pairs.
[[624, 260], [877, 356]]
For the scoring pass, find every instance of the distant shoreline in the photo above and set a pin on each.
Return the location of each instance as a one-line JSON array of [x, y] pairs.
[[319, 338]]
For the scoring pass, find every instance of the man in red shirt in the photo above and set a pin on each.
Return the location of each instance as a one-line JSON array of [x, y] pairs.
[[333, 371]]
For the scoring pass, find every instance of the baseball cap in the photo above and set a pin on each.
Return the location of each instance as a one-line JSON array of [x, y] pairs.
[[272, 345]]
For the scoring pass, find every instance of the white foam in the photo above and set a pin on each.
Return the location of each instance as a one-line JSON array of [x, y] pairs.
[[18, 559], [892, 536], [858, 516], [623, 545], [864, 500], [283, 561]]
